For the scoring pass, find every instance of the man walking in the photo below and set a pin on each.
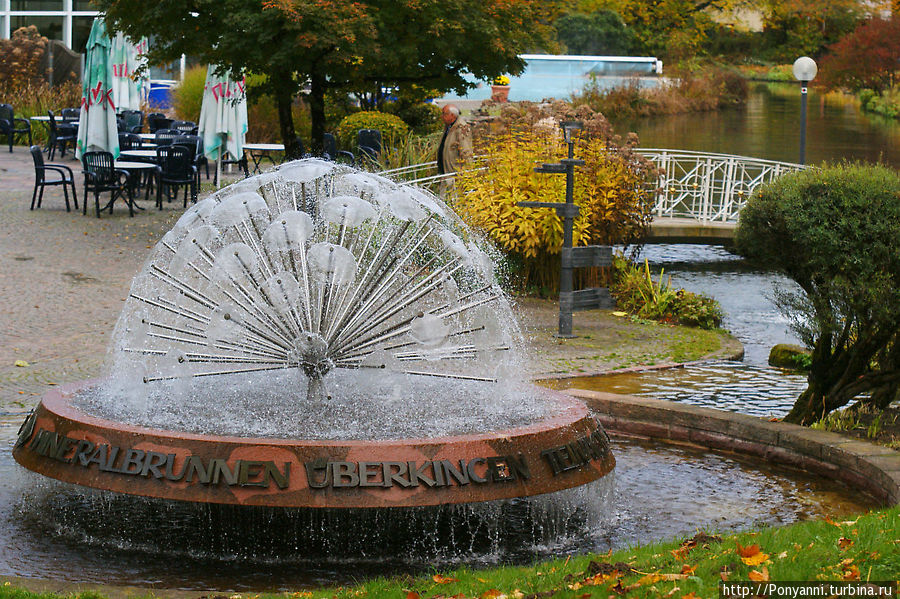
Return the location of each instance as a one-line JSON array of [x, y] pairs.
[[456, 144]]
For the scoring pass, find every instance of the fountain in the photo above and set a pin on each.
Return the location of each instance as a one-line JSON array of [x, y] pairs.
[[316, 337]]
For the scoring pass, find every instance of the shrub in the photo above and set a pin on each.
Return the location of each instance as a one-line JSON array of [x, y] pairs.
[[21, 58], [392, 128], [611, 188], [636, 292], [187, 96], [836, 233]]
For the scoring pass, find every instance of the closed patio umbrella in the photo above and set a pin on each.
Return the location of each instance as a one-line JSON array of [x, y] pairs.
[[129, 91], [97, 129], [223, 117]]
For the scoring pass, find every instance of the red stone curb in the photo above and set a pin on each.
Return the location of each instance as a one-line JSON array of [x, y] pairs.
[[872, 468]]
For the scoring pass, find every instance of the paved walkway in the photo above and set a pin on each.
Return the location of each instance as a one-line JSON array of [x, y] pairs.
[[63, 278]]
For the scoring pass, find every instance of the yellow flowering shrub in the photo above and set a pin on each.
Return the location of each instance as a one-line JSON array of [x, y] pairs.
[[611, 189]]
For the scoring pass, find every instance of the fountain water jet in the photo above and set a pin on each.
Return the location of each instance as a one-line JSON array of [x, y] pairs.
[[320, 275]]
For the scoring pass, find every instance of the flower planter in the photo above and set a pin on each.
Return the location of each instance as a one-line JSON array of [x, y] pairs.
[[500, 93]]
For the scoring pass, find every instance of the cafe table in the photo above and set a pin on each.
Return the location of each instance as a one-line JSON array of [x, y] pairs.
[[258, 152]]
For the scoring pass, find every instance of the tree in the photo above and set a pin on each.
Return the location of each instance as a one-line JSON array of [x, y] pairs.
[[793, 28], [323, 44], [836, 233], [600, 33], [670, 28], [866, 58]]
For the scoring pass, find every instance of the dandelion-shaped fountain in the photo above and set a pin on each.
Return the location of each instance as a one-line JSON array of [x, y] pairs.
[[316, 337]]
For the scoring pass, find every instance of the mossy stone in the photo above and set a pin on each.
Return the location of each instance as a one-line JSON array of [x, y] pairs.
[[786, 355]]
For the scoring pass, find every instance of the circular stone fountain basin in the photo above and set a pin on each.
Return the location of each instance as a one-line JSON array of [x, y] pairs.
[[563, 450]]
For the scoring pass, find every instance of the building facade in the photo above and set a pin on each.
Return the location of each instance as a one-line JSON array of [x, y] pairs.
[[65, 20]]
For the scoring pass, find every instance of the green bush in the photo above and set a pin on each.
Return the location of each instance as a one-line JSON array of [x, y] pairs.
[[835, 231], [423, 118], [392, 128], [636, 292], [187, 96]]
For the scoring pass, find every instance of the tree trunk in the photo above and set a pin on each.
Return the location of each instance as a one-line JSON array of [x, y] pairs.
[[284, 99], [317, 112]]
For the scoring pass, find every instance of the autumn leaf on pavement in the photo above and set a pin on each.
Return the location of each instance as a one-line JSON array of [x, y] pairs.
[[443, 579], [757, 576], [751, 555]]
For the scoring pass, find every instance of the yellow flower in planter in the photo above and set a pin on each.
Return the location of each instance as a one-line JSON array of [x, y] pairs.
[[501, 80]]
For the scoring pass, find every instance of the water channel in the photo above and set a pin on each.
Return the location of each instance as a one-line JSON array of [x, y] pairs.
[[767, 127]]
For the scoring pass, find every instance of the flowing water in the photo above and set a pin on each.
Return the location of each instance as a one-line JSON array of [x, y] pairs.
[[66, 533]]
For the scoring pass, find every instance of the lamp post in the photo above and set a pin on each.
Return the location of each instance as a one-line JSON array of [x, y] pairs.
[[805, 70]]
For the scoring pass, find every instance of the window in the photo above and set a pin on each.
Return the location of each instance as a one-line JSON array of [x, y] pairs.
[[49, 27], [36, 5], [81, 31]]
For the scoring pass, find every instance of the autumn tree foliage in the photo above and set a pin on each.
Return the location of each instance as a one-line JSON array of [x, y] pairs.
[[869, 57], [322, 45], [794, 28]]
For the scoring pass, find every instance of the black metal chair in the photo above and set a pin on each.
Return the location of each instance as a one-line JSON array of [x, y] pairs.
[[11, 126], [174, 168], [130, 141], [70, 115], [61, 134], [157, 120], [330, 150], [185, 127], [66, 178], [165, 137], [369, 143], [101, 175], [195, 144], [133, 121]]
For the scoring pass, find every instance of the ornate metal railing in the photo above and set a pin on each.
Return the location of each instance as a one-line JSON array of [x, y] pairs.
[[709, 187], [702, 186]]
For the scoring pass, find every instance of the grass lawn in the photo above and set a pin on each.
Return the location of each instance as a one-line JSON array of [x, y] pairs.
[[864, 548]]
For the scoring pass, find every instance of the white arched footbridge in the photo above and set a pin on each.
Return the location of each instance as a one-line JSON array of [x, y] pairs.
[[699, 194]]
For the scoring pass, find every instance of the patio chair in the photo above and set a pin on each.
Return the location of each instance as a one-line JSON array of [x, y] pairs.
[[101, 175], [66, 178], [130, 141], [70, 115], [369, 143], [61, 134], [11, 127], [195, 144], [330, 151], [185, 127], [174, 168], [165, 137], [133, 121], [157, 120]]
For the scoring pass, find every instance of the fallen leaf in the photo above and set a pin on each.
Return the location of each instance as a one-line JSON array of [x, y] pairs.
[[481, 580], [491, 594], [751, 555], [724, 575], [757, 576], [674, 590], [844, 543], [443, 579], [681, 553], [782, 555], [689, 570], [620, 314], [618, 589], [575, 586], [412, 595], [21, 363], [690, 595], [851, 573], [832, 522]]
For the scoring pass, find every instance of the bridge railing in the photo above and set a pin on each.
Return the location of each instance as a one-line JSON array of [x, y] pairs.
[[709, 187]]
